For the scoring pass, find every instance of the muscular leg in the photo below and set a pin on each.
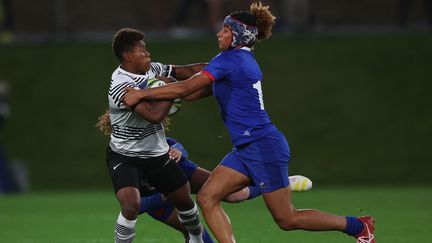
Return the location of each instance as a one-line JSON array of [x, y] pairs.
[[288, 218], [198, 178], [129, 198], [181, 198], [222, 181]]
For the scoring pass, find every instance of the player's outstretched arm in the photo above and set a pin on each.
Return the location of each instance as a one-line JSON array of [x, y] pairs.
[[183, 72], [168, 92], [202, 93]]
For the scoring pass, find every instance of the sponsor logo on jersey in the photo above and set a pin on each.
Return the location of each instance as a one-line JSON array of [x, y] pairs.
[[115, 167], [246, 133]]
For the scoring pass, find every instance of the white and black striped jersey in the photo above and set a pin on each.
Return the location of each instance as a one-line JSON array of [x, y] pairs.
[[132, 135]]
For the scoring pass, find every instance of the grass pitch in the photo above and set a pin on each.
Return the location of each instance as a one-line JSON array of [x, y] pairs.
[[402, 215]]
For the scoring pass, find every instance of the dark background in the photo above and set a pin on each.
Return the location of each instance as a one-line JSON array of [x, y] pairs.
[[349, 87]]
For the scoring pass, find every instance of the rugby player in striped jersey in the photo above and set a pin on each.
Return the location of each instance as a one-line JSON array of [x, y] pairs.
[[138, 149]]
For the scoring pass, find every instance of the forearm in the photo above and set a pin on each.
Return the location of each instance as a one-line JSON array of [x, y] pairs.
[[160, 109], [167, 92], [204, 92], [175, 90], [153, 112], [183, 72]]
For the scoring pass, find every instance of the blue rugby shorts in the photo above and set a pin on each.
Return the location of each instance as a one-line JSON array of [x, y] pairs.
[[264, 161]]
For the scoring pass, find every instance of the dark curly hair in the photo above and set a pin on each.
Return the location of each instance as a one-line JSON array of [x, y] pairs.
[[124, 41]]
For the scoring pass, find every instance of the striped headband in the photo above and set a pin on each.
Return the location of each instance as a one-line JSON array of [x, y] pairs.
[[243, 34]]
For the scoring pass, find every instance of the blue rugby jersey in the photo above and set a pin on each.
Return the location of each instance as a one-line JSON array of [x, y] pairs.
[[237, 81]]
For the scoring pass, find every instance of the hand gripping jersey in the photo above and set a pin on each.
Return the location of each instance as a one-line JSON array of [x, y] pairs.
[[132, 135], [237, 88]]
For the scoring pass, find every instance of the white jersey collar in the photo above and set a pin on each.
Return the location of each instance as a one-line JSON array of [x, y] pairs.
[[246, 48], [132, 74]]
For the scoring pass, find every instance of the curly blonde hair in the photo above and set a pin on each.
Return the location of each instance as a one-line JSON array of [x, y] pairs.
[[104, 123], [265, 20]]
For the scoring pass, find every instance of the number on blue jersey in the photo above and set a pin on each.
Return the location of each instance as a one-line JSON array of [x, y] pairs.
[[257, 86]]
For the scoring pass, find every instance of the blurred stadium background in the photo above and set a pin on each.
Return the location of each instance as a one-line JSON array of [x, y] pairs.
[[348, 82], [345, 81]]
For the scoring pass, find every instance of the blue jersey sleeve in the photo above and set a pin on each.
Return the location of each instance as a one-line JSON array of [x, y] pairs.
[[171, 141]]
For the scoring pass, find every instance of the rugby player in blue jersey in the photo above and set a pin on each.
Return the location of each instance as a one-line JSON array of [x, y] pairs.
[[261, 152], [155, 204]]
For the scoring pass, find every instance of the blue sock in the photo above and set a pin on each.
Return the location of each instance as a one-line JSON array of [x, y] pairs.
[[354, 226], [149, 202], [255, 191], [206, 237]]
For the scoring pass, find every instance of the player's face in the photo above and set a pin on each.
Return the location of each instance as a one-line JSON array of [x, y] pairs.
[[224, 37], [140, 57]]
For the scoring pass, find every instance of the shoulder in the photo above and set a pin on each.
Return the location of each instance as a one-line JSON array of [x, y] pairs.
[[156, 67], [159, 69], [120, 81], [224, 57], [121, 76]]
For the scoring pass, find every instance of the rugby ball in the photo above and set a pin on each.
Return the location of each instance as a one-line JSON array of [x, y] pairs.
[[176, 106], [299, 183]]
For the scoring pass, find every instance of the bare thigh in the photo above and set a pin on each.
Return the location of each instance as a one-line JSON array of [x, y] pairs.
[[279, 203], [198, 178], [222, 182]]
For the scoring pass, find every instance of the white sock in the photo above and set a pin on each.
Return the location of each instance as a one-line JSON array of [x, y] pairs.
[[195, 238], [191, 221], [124, 230]]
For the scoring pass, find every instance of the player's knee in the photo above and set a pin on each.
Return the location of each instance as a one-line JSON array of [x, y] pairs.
[[130, 208], [129, 199], [201, 199], [286, 224], [205, 199]]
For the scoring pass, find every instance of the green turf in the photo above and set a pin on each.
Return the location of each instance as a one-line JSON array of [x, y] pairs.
[[403, 215]]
